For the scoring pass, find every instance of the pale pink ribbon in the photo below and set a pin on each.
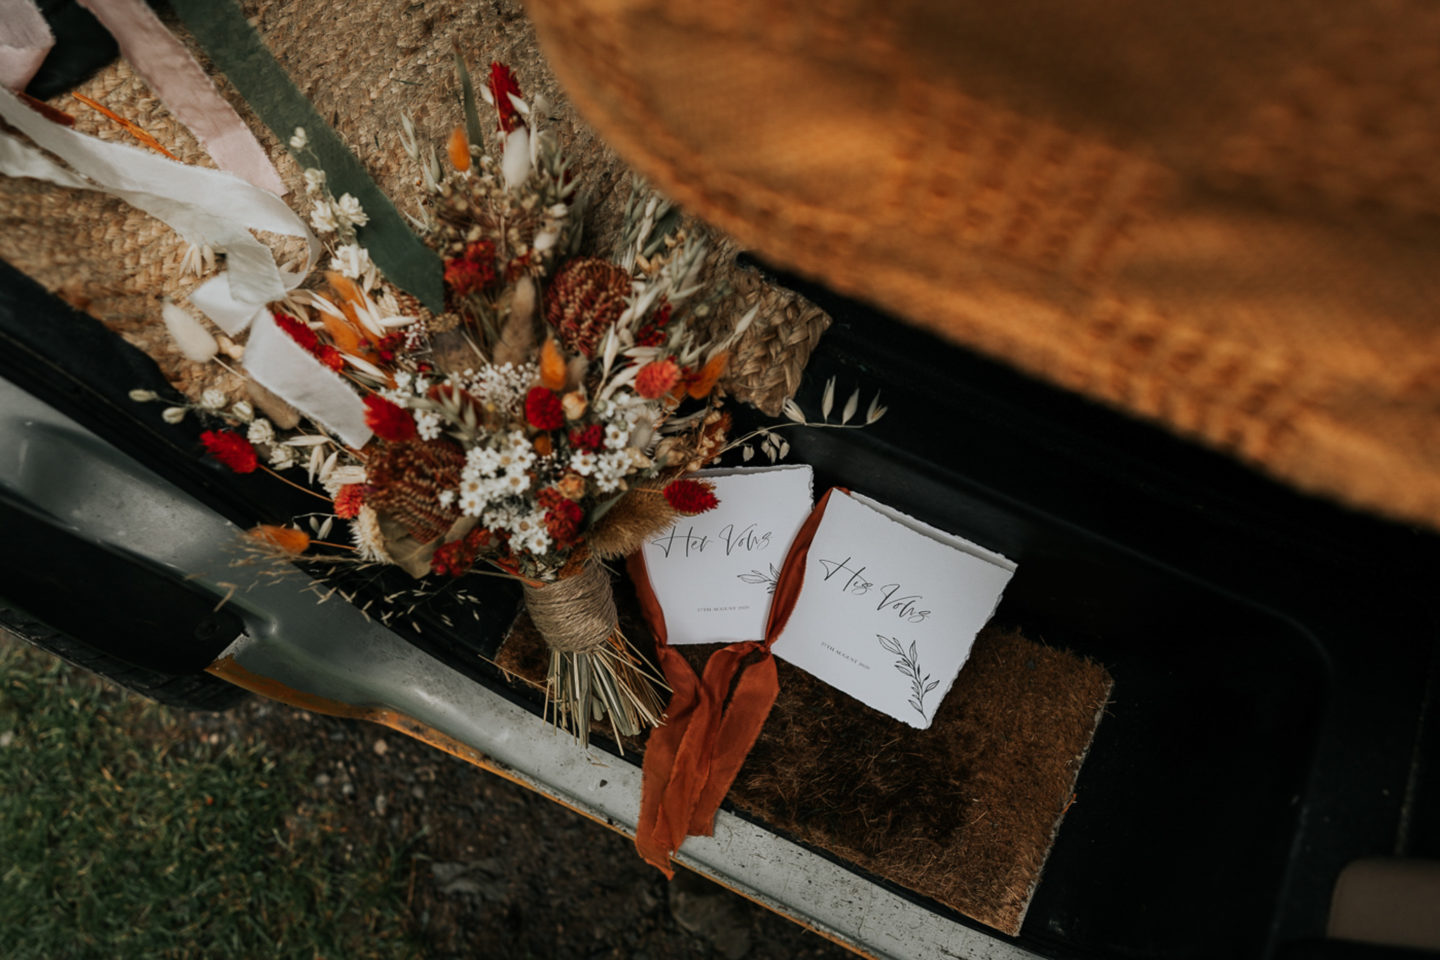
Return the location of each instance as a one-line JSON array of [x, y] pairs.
[[25, 39], [183, 87], [162, 62]]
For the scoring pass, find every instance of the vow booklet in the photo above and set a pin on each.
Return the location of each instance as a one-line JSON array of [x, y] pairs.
[[714, 574], [889, 607]]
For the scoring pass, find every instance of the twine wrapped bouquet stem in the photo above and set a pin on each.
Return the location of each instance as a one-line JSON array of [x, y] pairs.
[[594, 672]]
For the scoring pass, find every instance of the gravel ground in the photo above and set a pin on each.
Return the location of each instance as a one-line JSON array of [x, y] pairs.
[[499, 871]]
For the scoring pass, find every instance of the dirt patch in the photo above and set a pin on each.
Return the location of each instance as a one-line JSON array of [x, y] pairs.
[[499, 871]]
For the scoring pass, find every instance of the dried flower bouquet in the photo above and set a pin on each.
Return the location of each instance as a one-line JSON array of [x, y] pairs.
[[539, 425]]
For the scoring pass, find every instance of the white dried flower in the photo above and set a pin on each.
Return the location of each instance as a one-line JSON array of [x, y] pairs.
[[213, 399], [299, 140], [428, 424], [351, 259], [314, 180], [242, 411], [261, 431], [282, 457], [343, 476], [348, 208], [322, 218], [173, 414], [368, 538], [143, 396]]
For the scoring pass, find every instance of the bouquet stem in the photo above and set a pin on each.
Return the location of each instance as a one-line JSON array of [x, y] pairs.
[[595, 673]]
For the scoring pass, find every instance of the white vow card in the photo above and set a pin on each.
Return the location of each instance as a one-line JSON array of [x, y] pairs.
[[890, 607], [714, 574]]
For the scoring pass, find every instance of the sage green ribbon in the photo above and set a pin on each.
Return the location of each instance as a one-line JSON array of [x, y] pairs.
[[236, 49]]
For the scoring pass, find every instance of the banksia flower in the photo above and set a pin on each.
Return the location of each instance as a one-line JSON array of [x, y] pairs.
[[405, 482], [584, 300]]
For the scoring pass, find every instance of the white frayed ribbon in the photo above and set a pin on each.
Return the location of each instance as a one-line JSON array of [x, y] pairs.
[[280, 365], [203, 206]]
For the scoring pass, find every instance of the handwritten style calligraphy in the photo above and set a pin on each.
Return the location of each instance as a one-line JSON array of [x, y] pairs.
[[689, 541], [746, 539], [905, 606]]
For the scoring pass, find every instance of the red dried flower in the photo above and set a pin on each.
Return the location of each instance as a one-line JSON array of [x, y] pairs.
[[473, 271], [389, 421], [549, 498], [298, 332], [388, 345], [691, 496], [502, 84], [453, 559], [543, 409], [349, 500], [652, 334], [563, 522], [657, 378], [231, 449], [591, 438], [331, 358]]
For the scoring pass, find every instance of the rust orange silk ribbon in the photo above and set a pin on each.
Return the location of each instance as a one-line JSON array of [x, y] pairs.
[[692, 760]]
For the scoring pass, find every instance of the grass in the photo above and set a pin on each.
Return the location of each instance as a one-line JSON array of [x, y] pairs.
[[125, 833]]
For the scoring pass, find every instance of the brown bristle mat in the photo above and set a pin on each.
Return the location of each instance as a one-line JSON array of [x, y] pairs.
[[963, 813]]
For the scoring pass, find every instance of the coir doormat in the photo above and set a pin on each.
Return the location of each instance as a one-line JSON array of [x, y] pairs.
[[963, 813]]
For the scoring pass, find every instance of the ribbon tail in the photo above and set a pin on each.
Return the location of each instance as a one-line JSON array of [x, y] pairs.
[[655, 831], [180, 83], [738, 730]]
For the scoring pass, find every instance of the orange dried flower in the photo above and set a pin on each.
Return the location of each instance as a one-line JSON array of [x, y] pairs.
[[700, 384], [459, 149], [286, 538], [552, 366], [657, 378]]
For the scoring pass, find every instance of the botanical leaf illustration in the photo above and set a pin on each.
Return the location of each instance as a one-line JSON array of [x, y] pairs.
[[908, 664], [756, 577]]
